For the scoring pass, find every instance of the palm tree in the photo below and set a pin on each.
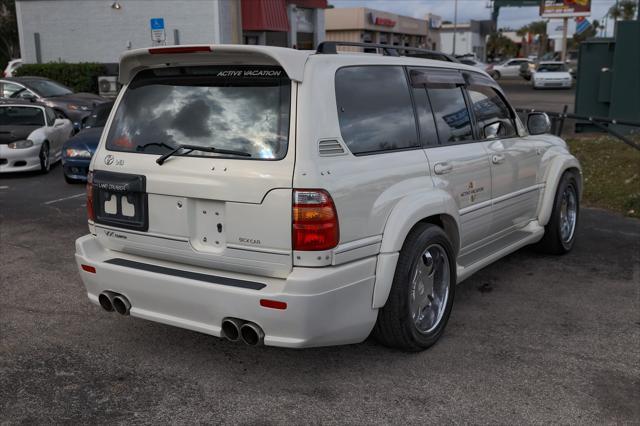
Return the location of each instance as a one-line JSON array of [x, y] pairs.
[[623, 10], [538, 28]]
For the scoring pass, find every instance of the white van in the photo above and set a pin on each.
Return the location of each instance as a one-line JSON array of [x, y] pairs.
[[302, 198]]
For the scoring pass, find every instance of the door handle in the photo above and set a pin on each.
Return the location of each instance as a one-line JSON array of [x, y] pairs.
[[442, 168], [497, 158]]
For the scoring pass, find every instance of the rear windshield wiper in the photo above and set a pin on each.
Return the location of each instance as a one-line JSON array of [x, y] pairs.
[[141, 148], [190, 148]]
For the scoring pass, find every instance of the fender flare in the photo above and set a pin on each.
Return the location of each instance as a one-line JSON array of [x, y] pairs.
[[404, 216], [560, 165]]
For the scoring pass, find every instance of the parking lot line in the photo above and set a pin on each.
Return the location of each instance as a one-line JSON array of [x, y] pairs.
[[65, 198]]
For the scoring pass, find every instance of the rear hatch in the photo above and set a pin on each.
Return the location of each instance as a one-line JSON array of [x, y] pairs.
[[226, 205]]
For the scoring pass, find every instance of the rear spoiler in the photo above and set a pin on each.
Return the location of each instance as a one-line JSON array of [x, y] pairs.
[[291, 60]]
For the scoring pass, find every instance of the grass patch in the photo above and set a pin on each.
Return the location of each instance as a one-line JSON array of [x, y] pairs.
[[611, 171]]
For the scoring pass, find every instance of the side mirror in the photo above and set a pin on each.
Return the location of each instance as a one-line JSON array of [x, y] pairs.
[[538, 123], [492, 131]]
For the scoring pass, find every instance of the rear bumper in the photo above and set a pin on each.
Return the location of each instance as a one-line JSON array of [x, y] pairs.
[[19, 160], [325, 306]]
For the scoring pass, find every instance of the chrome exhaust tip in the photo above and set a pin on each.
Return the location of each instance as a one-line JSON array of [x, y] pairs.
[[121, 304], [106, 300], [231, 329], [251, 334]]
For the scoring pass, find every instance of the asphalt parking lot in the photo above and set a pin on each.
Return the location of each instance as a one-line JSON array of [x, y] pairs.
[[532, 339]]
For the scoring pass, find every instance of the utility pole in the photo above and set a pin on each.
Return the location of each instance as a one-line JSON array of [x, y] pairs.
[[455, 25], [564, 38]]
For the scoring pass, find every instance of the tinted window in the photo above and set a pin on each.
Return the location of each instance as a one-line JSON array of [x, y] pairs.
[[48, 89], [51, 116], [552, 68], [21, 116], [8, 89], [242, 109], [374, 109], [451, 114], [489, 108], [428, 134], [99, 115]]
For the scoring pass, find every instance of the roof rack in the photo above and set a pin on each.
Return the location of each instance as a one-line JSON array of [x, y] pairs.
[[330, 48]]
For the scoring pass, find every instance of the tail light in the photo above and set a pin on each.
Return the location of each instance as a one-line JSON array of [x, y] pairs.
[[315, 221], [489, 67], [90, 212]]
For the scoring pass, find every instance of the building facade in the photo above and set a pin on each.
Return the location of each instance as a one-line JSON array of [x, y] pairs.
[[100, 30], [365, 25], [470, 38]]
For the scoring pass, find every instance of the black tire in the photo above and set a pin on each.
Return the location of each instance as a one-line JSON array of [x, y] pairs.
[[553, 241], [496, 75], [45, 158], [395, 326]]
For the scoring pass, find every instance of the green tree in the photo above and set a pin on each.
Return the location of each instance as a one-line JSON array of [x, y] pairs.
[[624, 10], [538, 28], [500, 46], [9, 42]]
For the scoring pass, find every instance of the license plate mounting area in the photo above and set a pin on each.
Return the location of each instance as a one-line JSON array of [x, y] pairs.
[[120, 200]]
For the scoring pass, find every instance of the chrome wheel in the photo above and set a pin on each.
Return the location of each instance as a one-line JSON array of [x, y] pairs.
[[429, 288], [568, 213]]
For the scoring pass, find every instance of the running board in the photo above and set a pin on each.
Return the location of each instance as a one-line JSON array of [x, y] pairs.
[[478, 259]]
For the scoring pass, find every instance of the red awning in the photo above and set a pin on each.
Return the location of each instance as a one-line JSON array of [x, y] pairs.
[[311, 4], [264, 15], [271, 15]]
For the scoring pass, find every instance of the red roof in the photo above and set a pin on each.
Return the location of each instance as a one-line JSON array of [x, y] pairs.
[[271, 15]]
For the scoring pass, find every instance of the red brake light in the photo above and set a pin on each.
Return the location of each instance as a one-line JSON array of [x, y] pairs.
[[185, 49], [90, 212], [315, 221]]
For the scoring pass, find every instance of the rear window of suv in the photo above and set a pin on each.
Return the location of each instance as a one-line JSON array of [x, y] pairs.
[[241, 108]]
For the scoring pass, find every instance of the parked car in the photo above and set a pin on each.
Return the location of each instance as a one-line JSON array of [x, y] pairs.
[[11, 67], [77, 151], [527, 69], [297, 198], [31, 136], [473, 62], [75, 106], [551, 75], [509, 68]]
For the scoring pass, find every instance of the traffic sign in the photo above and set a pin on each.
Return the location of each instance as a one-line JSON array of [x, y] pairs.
[[158, 34]]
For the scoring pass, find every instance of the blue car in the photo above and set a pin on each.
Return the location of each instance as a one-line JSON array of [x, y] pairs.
[[77, 151]]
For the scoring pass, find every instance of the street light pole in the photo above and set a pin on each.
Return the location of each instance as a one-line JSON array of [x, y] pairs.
[[455, 25]]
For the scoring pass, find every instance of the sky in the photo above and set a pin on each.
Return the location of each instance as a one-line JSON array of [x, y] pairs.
[[512, 17]]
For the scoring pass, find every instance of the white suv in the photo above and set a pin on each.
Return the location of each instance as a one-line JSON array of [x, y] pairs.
[[300, 198]]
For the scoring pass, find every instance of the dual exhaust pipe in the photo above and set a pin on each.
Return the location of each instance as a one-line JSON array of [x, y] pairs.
[[234, 329], [111, 301]]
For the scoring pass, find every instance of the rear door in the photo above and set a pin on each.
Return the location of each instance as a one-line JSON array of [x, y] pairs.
[[226, 210], [458, 163]]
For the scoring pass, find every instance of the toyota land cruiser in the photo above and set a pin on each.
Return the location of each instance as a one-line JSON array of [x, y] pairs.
[[308, 198]]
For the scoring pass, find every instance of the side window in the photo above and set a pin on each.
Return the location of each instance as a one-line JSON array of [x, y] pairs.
[[428, 134], [374, 109], [491, 112], [7, 90], [450, 112], [51, 116]]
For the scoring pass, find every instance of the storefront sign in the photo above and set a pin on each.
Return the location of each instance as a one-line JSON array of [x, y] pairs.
[[382, 21]]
